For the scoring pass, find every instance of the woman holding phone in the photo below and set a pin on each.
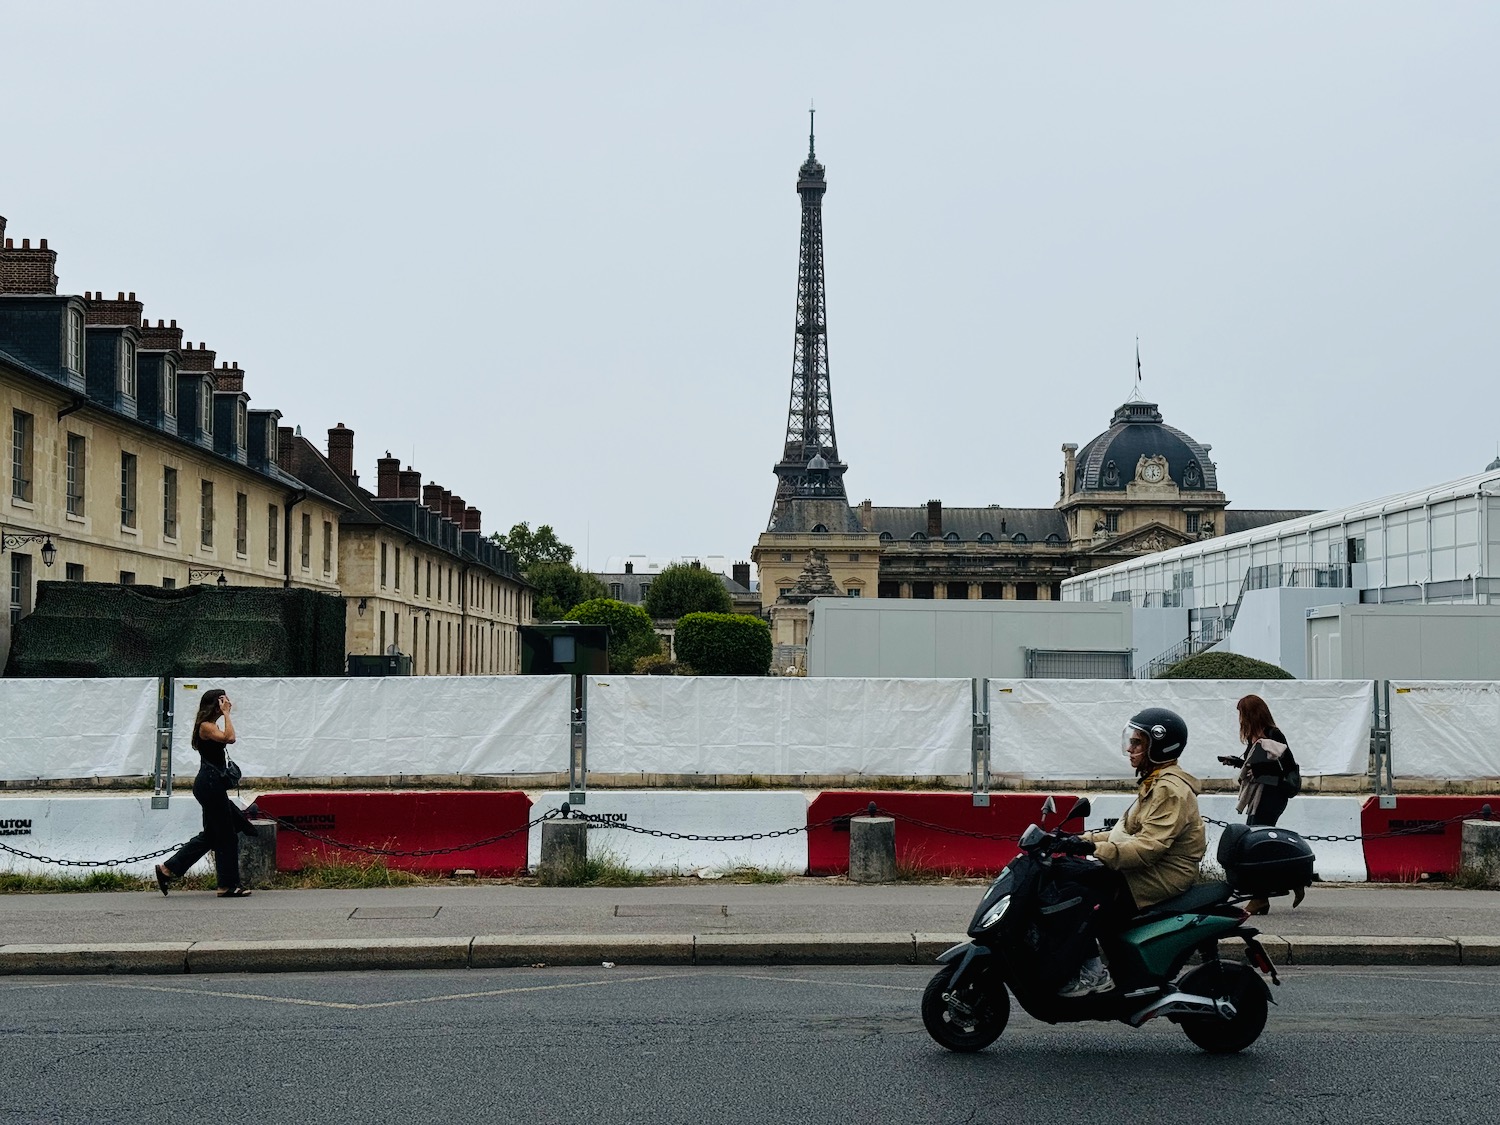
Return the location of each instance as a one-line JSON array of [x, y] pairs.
[[222, 819]]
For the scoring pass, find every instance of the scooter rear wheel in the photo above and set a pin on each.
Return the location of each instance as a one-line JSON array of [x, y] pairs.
[[1240, 986], [989, 1012]]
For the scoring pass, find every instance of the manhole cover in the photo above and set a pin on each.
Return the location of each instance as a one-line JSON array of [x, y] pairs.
[[670, 910], [372, 913]]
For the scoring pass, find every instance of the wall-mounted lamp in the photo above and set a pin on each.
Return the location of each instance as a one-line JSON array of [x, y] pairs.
[[197, 573], [427, 613], [360, 608], [10, 540]]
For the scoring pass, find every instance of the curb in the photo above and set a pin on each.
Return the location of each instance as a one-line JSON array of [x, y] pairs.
[[505, 951]]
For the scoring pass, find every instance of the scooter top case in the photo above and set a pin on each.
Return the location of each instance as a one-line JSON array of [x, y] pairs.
[[1265, 860]]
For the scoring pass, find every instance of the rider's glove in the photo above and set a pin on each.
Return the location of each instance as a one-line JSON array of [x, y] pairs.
[[1072, 845]]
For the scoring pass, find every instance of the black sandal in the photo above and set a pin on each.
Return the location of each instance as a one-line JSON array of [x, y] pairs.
[[234, 892], [163, 878]]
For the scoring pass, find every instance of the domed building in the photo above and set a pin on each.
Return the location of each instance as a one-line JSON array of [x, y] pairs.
[[1141, 485]]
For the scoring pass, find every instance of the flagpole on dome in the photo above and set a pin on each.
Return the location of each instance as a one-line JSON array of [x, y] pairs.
[[1135, 395]]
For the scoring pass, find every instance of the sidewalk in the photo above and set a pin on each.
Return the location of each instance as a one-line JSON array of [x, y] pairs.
[[809, 921]]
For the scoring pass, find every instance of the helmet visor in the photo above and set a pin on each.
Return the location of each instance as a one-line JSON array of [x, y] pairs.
[[1133, 734]]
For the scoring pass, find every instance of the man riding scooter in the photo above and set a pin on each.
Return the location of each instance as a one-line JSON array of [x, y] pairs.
[[1153, 851]]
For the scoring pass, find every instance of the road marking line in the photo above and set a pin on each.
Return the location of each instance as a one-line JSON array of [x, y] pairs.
[[350, 1006], [836, 983]]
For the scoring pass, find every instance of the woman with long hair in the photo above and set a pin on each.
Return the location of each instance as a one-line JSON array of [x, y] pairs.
[[222, 819], [1264, 768]]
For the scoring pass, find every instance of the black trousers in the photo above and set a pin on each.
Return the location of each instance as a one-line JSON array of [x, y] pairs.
[[1272, 804], [221, 833]]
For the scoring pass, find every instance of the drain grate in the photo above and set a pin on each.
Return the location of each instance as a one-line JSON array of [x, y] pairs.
[[670, 910], [383, 913]]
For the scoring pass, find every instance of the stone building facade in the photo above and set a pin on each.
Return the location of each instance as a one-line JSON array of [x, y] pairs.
[[130, 457], [418, 575]]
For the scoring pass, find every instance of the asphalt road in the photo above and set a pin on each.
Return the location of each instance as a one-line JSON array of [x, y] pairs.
[[721, 1046]]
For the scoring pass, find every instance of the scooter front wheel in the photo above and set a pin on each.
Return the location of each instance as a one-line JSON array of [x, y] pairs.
[[969, 1020]]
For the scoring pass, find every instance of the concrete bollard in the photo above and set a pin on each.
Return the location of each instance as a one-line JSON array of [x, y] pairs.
[[258, 855], [1480, 851], [565, 848], [872, 849]]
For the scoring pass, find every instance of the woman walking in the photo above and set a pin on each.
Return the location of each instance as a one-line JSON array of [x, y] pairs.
[[222, 819], [1264, 768]]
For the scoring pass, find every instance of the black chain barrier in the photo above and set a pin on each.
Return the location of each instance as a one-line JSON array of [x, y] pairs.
[[568, 813]]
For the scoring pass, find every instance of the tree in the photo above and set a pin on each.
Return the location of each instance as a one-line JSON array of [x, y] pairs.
[[1225, 666], [724, 644], [561, 584], [684, 588], [631, 634], [529, 547]]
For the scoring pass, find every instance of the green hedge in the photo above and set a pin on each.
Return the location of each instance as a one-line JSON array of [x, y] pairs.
[[1225, 666], [724, 644]]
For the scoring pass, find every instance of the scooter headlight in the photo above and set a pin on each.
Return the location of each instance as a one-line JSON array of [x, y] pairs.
[[995, 913]]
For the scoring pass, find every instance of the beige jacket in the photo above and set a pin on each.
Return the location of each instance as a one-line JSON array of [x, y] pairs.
[[1159, 842]]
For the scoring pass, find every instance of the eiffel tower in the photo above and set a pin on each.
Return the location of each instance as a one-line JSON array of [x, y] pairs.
[[810, 477]]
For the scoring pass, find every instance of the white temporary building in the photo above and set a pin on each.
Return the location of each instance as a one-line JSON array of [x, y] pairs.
[[1434, 546]]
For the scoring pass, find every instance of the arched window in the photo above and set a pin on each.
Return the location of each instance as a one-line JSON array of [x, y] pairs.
[[820, 529], [951, 537], [1053, 537], [886, 537], [1019, 537], [919, 537], [986, 537]]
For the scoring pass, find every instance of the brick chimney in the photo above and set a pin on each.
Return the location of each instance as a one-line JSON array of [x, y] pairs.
[[630, 568], [741, 574], [230, 378], [341, 450], [163, 338], [409, 484], [934, 519], [285, 456], [387, 470], [454, 510], [866, 516], [124, 309], [198, 359], [27, 270], [471, 519], [432, 497]]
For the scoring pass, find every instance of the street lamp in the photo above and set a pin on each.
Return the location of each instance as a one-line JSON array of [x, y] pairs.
[[10, 540], [195, 573], [360, 608]]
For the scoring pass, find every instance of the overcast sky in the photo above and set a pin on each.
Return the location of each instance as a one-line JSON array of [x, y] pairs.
[[546, 253]]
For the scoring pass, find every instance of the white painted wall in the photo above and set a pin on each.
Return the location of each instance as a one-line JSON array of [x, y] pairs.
[[1154, 631], [967, 639], [1404, 642], [1272, 624]]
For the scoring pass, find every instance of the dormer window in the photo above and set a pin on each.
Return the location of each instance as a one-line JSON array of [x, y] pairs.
[[1019, 537], [1111, 476], [919, 537], [206, 400], [271, 436], [886, 537], [820, 529], [951, 537], [241, 423], [986, 537], [169, 389], [75, 341], [127, 368]]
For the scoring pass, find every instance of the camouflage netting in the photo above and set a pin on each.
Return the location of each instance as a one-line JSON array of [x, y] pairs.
[[104, 630]]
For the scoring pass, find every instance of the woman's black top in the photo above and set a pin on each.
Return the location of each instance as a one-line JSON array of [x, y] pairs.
[[212, 752]]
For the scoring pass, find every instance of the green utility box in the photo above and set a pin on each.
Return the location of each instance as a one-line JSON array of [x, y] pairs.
[[564, 649], [396, 665]]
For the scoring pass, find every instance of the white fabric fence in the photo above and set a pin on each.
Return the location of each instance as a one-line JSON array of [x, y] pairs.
[[1053, 729], [1445, 729], [55, 729], [760, 725], [385, 726]]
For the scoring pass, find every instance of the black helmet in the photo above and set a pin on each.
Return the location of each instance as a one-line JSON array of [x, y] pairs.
[[1166, 730]]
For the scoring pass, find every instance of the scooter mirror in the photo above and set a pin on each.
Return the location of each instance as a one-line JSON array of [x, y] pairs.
[[1081, 809], [1049, 806]]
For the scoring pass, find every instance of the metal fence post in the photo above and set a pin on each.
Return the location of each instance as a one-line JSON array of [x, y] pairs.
[[161, 790], [979, 750], [578, 744], [1385, 784]]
